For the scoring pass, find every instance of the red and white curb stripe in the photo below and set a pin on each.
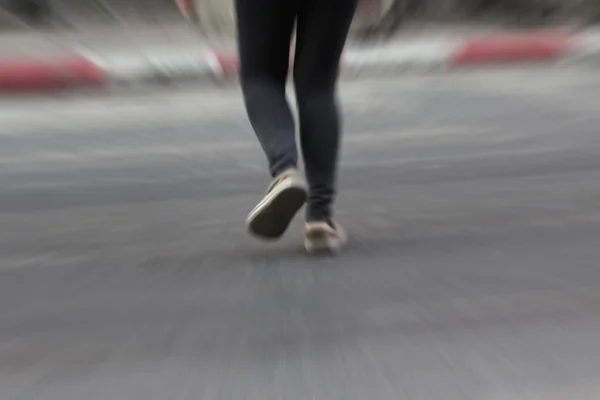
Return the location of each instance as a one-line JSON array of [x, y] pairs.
[[71, 70], [84, 68]]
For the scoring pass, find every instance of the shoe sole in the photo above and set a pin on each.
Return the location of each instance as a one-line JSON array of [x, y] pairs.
[[271, 218]]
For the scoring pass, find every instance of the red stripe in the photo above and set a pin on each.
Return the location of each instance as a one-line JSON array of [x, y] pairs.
[[228, 63], [24, 74], [512, 48]]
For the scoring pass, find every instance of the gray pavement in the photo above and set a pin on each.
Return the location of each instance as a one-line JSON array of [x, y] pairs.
[[473, 273]]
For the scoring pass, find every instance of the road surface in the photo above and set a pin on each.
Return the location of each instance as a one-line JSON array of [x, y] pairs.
[[473, 201]]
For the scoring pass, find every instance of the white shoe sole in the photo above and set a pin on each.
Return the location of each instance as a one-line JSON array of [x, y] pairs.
[[272, 216]]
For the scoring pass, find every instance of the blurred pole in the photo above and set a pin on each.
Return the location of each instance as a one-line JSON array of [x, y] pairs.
[[185, 8]]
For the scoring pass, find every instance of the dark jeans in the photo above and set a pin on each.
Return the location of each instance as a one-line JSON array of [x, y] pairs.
[[265, 29]]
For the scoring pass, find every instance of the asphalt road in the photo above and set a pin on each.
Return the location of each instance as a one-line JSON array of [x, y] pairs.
[[473, 202]]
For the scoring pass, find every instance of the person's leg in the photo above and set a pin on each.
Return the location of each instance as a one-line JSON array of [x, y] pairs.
[[264, 33], [322, 29]]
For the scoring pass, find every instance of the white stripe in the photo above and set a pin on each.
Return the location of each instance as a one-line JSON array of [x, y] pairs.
[[140, 65], [212, 60], [586, 48], [418, 54]]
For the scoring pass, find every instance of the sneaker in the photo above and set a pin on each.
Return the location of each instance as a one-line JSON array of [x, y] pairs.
[[285, 197], [323, 237]]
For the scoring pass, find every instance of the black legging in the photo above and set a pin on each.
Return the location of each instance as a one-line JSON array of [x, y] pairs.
[[265, 29]]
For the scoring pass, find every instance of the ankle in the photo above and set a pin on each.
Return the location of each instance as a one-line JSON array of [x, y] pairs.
[[327, 224]]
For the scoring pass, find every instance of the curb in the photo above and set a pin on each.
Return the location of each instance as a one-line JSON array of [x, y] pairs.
[[63, 71], [84, 68], [513, 48]]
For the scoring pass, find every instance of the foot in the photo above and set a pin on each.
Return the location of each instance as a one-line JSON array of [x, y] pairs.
[[323, 237], [285, 197]]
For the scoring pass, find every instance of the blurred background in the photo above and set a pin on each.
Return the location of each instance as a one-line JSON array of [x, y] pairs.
[[215, 17], [471, 195]]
